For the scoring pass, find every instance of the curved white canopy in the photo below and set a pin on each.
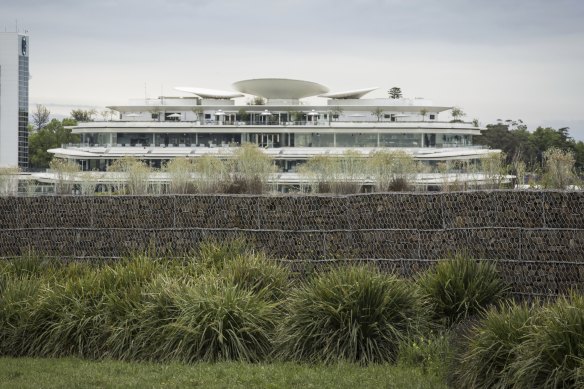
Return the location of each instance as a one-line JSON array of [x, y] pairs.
[[209, 93], [350, 94], [279, 88]]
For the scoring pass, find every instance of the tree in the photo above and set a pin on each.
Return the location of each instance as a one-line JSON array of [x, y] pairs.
[[257, 100], [243, 115], [457, 113], [423, 112], [51, 136], [335, 112], [395, 93], [107, 114], [378, 113], [40, 116], [82, 115]]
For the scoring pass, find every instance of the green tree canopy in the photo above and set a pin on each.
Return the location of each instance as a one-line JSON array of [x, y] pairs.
[[82, 115], [51, 136], [395, 93], [519, 144]]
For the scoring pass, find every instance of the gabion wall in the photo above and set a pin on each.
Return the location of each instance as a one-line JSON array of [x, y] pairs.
[[535, 237]]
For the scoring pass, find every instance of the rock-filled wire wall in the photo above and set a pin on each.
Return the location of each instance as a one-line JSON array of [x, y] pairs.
[[535, 237]]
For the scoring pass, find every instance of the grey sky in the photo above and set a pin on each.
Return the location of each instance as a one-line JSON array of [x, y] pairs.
[[495, 59]]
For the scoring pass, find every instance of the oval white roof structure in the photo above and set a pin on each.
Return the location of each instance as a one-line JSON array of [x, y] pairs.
[[350, 94], [209, 93], [280, 88]]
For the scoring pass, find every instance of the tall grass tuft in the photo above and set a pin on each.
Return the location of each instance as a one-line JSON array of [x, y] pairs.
[[391, 171], [461, 287], [559, 169], [352, 313], [256, 273], [552, 355], [134, 175], [9, 180], [335, 174], [203, 319], [65, 172], [180, 174], [17, 296], [213, 255], [251, 170], [212, 174], [73, 315], [492, 347]]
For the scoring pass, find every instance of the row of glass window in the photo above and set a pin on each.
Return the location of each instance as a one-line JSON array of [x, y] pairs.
[[277, 140]]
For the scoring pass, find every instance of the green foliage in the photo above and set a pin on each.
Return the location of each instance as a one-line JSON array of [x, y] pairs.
[[180, 173], [492, 347], [82, 115], [65, 174], [391, 170], [251, 170], [258, 274], [558, 169], [331, 174], [51, 136], [494, 168], [134, 175], [431, 352], [457, 113], [552, 355], [352, 313], [395, 93], [461, 287], [213, 255], [9, 180], [212, 173], [141, 309], [521, 145], [222, 322], [40, 116], [378, 113]]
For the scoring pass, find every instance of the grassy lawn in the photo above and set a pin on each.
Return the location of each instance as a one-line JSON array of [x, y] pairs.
[[77, 373]]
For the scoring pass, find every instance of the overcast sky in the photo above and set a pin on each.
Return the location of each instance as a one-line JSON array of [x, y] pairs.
[[503, 59]]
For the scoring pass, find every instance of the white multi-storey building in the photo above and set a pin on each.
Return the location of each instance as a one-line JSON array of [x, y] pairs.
[[14, 77], [280, 122]]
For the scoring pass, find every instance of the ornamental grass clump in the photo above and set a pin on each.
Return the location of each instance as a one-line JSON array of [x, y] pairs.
[[17, 296], [492, 347], [353, 314], [74, 309], [256, 273], [203, 319], [552, 355], [213, 255], [461, 287]]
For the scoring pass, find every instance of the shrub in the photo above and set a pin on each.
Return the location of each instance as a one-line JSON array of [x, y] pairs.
[[257, 274], [559, 170], [459, 287], [354, 314], [431, 352], [16, 298], [214, 255], [74, 316], [391, 170], [205, 320], [251, 169], [492, 346], [552, 355]]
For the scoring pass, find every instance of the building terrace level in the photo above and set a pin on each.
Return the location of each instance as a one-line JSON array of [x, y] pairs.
[[273, 115]]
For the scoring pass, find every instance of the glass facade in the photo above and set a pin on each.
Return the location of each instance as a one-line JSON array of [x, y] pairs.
[[400, 140], [23, 106]]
